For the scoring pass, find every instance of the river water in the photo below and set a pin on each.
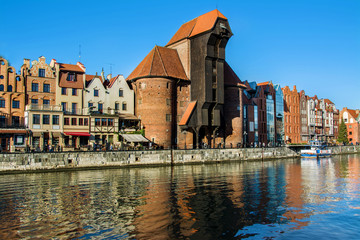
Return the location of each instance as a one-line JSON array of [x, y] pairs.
[[282, 199]]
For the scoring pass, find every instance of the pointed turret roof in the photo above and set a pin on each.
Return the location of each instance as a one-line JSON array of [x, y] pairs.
[[160, 62], [197, 26]]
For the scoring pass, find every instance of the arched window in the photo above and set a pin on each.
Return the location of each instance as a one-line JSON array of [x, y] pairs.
[[1, 87]]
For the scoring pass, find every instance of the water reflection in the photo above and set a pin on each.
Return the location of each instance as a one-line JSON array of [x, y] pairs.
[[277, 199]]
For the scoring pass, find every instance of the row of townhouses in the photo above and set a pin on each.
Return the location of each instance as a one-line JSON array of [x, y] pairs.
[[183, 95], [58, 105]]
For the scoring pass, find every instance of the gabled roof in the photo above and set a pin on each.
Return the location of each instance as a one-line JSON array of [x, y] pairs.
[[89, 78], [160, 62], [230, 77], [197, 26], [112, 81], [328, 101], [71, 67], [353, 113]]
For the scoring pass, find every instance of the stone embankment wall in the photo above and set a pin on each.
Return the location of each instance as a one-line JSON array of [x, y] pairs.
[[19, 162]]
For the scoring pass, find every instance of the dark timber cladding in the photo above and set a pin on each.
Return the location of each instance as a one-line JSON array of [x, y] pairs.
[[180, 89], [207, 73]]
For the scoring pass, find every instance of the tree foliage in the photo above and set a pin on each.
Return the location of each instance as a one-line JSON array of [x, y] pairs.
[[343, 136]]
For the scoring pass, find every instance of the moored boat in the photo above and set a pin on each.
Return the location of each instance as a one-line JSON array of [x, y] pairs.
[[317, 150]]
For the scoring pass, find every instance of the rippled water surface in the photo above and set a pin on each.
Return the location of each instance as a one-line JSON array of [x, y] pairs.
[[284, 199]]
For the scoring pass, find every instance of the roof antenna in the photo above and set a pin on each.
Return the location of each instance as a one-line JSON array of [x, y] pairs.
[[111, 67], [79, 52]]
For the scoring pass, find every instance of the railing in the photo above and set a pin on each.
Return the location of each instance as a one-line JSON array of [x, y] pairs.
[[44, 107], [5, 122]]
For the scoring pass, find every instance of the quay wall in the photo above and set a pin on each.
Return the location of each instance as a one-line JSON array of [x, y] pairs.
[[59, 161]]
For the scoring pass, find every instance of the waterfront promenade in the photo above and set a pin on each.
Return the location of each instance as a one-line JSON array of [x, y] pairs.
[[58, 161]]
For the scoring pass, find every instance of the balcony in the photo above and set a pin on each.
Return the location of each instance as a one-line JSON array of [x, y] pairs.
[[11, 122], [45, 107], [75, 111]]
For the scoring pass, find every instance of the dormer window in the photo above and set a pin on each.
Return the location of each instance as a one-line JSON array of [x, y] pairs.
[[41, 72], [71, 77]]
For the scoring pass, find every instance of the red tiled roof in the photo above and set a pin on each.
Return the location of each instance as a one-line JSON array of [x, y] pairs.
[[71, 84], [230, 77], [189, 110], [89, 78], [112, 81], [160, 62], [70, 67], [353, 113], [197, 26], [328, 101]]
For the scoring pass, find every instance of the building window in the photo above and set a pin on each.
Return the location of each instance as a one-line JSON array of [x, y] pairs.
[[46, 102], [81, 121], [74, 92], [1, 87], [36, 119], [73, 108], [73, 121], [46, 119], [110, 122], [97, 122], [168, 117], [63, 105], [140, 101], [116, 106], [350, 133], [86, 122], [9, 88], [168, 101], [2, 102], [41, 72], [71, 77], [55, 119], [66, 121], [121, 93], [46, 87], [124, 106], [16, 104], [100, 107], [34, 87], [15, 120], [63, 91], [96, 93], [90, 104], [103, 122], [34, 101]]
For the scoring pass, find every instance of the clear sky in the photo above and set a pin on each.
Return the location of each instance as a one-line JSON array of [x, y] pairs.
[[313, 44]]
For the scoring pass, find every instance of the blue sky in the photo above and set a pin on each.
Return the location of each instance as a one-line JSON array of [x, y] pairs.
[[314, 44]]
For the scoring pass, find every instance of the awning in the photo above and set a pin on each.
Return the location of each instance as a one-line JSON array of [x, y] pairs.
[[134, 138], [81, 134]]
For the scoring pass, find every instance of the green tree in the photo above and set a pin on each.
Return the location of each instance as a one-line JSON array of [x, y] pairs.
[[343, 136]]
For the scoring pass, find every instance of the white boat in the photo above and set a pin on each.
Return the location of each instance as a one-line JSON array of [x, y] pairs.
[[317, 150]]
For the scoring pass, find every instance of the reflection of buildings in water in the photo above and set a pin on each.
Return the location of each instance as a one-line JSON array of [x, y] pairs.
[[9, 216], [165, 212], [295, 193]]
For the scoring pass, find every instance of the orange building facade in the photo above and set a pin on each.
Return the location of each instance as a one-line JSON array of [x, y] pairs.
[[12, 106], [292, 115]]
